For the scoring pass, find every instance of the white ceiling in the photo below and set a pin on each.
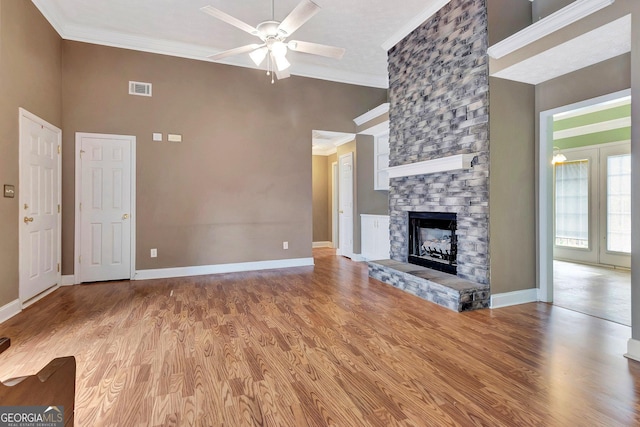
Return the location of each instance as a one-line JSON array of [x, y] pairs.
[[179, 28], [325, 142]]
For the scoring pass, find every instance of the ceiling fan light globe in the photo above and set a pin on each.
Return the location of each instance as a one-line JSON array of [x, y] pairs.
[[258, 55], [279, 49]]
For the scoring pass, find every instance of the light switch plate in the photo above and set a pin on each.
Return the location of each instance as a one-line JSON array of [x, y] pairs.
[[157, 136], [9, 191], [174, 137]]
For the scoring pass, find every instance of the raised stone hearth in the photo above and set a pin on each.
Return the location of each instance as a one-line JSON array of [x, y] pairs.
[[441, 288]]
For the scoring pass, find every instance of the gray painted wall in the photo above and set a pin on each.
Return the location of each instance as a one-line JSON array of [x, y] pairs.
[[512, 200]]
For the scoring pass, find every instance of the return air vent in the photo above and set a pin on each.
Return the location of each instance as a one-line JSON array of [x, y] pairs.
[[139, 88]]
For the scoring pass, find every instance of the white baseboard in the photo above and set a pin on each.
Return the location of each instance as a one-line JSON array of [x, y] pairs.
[[199, 270], [322, 245], [68, 280], [7, 311], [633, 350], [357, 258], [514, 298]]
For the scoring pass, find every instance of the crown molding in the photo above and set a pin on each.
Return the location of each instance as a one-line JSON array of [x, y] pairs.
[[323, 151], [560, 19], [121, 40], [372, 114], [414, 23], [51, 14], [348, 137]]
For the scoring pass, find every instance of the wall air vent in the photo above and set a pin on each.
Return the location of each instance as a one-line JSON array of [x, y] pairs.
[[139, 88]]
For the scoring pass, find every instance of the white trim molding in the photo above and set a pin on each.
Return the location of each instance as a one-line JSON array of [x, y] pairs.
[[372, 114], [322, 245], [514, 298], [88, 34], [7, 311], [621, 123], [68, 280], [414, 23], [560, 19], [443, 164], [200, 270], [633, 350]]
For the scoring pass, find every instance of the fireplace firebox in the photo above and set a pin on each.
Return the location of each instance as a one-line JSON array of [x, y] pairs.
[[432, 240]]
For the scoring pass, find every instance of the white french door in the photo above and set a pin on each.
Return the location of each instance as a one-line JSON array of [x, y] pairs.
[[592, 201], [615, 205], [345, 213], [39, 190], [105, 193]]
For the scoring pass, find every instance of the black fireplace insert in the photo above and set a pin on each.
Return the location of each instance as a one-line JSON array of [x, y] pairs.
[[432, 240]]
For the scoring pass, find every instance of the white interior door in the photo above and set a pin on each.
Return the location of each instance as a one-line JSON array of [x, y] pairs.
[[335, 203], [345, 213], [39, 190], [105, 207]]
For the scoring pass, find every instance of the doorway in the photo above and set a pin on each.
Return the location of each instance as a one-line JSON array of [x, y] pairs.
[[105, 207], [345, 212], [585, 245], [40, 211]]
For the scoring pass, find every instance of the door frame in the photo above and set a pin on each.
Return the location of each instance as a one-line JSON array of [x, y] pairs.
[[544, 249], [334, 205], [22, 113], [341, 248], [78, 190]]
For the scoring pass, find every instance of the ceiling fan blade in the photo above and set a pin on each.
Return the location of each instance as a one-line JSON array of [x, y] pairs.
[[236, 51], [298, 16], [317, 49], [282, 74], [217, 13]]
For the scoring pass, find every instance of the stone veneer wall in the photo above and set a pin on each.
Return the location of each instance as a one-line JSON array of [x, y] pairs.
[[439, 102]]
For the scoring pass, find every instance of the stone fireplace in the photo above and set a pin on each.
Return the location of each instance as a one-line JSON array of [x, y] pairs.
[[439, 154]]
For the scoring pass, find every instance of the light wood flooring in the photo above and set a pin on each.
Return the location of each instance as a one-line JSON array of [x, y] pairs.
[[598, 291], [321, 346]]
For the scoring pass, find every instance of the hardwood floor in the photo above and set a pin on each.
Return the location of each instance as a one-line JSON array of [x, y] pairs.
[[321, 346]]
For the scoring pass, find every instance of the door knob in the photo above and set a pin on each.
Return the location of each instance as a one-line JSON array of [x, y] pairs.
[[125, 216], [27, 219]]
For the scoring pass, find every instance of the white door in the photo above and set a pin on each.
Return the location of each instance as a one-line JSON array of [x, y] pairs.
[[39, 190], [105, 201], [345, 213], [334, 203]]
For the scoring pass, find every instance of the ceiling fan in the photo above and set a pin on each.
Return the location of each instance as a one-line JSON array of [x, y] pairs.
[[273, 35]]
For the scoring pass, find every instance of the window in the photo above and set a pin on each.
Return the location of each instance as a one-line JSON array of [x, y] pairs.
[[572, 204], [619, 203]]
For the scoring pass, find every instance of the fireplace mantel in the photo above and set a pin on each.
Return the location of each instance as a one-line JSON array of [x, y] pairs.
[[442, 164]]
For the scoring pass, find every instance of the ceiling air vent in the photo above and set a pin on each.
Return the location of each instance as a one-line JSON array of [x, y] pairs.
[[139, 88]]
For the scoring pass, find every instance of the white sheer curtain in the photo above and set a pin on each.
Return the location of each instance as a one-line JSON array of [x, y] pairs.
[[572, 204]]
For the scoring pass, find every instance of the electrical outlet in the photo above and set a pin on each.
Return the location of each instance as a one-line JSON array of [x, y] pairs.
[[285, 245], [154, 253]]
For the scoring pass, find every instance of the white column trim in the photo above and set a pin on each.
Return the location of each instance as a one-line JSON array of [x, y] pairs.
[[633, 350], [514, 298], [7, 311]]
